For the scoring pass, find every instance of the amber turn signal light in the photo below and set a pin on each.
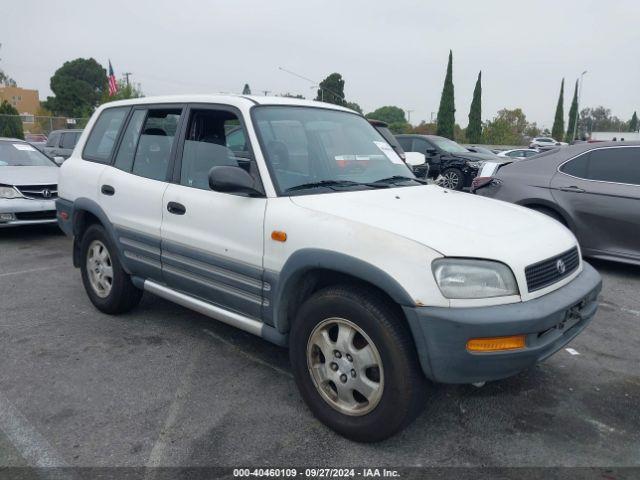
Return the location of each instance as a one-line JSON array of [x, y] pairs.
[[279, 236], [496, 344]]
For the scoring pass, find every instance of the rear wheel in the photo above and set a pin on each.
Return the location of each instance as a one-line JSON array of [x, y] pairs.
[[355, 364], [108, 286], [452, 178]]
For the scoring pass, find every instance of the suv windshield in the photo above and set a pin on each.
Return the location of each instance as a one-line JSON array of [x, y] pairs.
[[447, 145], [311, 149], [20, 154]]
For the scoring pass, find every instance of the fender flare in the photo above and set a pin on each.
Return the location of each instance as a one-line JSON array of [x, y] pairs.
[[83, 204], [532, 202], [308, 259]]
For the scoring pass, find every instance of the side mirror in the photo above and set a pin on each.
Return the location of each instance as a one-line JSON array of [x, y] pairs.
[[230, 179], [415, 158], [430, 152], [58, 160]]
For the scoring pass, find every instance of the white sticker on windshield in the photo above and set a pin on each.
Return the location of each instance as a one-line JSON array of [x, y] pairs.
[[389, 152], [22, 146]]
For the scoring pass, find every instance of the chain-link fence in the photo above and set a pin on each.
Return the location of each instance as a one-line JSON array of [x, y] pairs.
[[35, 124]]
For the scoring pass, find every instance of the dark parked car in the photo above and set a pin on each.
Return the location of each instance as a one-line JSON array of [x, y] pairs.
[[457, 165], [594, 189], [61, 143]]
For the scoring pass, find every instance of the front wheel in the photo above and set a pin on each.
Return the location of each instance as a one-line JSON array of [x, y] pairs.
[[355, 364], [108, 286], [452, 178]]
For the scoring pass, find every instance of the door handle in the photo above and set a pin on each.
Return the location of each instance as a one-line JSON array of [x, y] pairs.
[[176, 208], [573, 189], [107, 190]]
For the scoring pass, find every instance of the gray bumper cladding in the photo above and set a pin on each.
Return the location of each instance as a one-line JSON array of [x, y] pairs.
[[549, 323]]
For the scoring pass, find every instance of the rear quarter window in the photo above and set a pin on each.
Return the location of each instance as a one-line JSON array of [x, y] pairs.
[[104, 133]]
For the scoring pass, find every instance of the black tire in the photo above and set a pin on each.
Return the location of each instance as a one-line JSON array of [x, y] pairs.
[[123, 295], [454, 173], [550, 213], [403, 391]]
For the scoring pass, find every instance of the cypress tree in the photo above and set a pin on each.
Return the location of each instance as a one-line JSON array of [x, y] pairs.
[[573, 116], [474, 130], [557, 130], [633, 123], [447, 109], [246, 90]]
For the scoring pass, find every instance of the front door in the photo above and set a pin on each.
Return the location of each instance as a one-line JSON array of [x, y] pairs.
[[212, 242]]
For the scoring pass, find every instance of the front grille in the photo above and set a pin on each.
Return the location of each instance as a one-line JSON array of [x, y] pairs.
[[42, 215], [548, 272], [39, 192]]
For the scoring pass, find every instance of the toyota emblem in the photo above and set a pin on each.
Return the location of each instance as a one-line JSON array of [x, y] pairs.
[[46, 193], [561, 267]]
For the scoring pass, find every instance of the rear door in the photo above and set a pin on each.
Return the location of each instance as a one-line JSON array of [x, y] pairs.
[[601, 191], [212, 242], [131, 189]]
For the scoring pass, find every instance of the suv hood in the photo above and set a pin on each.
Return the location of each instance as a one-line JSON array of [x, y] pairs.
[[29, 175], [453, 223]]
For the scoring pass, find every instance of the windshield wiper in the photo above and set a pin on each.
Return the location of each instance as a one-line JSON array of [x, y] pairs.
[[398, 178], [324, 183]]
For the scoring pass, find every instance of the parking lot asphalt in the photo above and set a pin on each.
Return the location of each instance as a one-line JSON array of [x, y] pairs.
[[162, 385]]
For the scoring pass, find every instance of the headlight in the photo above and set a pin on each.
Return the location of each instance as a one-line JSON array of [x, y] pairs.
[[9, 192], [469, 278]]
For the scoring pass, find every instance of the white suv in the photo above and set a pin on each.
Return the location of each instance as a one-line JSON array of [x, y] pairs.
[[295, 221]]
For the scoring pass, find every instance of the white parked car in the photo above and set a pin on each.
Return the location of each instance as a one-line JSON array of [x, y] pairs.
[[519, 153], [545, 143], [312, 233]]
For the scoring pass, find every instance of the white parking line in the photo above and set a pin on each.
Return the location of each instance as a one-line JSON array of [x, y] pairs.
[[21, 272], [247, 355], [31, 445]]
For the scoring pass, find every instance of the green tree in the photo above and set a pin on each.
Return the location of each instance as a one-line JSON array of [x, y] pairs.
[[246, 90], [78, 87], [474, 129], [557, 131], [125, 91], [389, 114], [573, 116], [5, 79], [291, 95], [633, 123], [331, 90], [599, 119], [447, 109], [10, 122], [353, 106], [509, 127]]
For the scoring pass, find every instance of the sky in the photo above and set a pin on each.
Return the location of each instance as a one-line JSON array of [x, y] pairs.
[[389, 53]]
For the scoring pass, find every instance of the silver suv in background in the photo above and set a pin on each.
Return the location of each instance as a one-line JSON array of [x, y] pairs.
[[61, 143], [545, 143]]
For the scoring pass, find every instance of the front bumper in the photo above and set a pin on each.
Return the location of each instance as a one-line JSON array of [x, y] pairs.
[[28, 212], [549, 323]]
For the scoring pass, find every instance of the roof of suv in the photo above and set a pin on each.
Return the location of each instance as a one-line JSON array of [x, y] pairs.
[[226, 98]]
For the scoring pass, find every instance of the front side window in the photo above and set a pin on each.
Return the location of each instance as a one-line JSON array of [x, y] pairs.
[[214, 138], [127, 150], [405, 143], [313, 149], [103, 136], [154, 146], [69, 140], [448, 146]]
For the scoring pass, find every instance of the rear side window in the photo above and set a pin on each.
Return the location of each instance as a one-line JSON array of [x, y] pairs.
[[69, 140], [53, 140], [127, 150], [154, 147], [103, 136]]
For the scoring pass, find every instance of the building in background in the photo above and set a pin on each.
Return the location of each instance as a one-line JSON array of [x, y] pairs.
[[25, 100]]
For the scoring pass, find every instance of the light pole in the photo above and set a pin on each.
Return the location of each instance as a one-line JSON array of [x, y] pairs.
[[409, 116], [575, 123]]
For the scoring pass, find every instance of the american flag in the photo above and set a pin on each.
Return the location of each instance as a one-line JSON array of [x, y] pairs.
[[113, 84]]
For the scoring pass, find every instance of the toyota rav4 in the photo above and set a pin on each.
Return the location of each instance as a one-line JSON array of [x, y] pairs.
[[306, 228]]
